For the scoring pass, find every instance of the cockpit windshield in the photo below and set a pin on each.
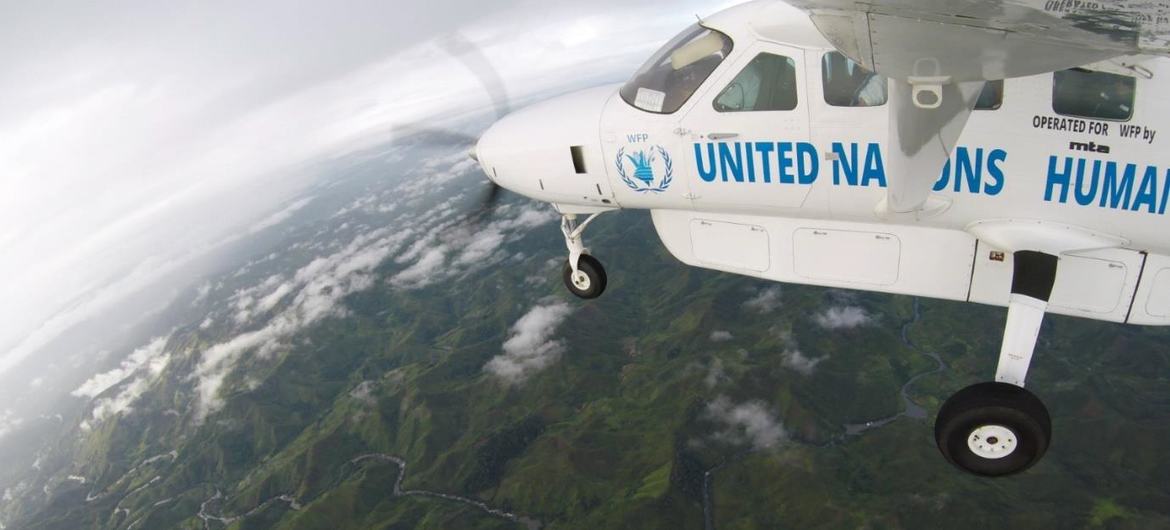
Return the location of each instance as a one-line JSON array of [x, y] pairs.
[[673, 74]]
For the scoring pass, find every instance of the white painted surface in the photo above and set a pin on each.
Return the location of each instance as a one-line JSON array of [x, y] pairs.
[[1090, 285], [846, 256], [1158, 304], [1025, 315], [730, 245]]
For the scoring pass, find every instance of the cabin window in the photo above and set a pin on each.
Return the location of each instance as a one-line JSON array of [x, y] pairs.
[[1088, 94], [847, 84], [991, 98], [676, 71], [768, 83]]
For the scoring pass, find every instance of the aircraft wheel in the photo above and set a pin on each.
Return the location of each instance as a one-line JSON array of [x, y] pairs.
[[993, 429], [589, 281]]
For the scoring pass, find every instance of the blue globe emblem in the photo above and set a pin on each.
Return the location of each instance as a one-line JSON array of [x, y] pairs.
[[645, 171]]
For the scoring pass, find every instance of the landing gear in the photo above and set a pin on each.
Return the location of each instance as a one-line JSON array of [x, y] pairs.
[[588, 281], [583, 274], [999, 428], [993, 429]]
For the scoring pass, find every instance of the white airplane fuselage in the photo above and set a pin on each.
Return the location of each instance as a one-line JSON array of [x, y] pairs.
[[798, 195]]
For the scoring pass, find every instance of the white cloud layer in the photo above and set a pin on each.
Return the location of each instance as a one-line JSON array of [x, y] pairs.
[[9, 422], [315, 291], [141, 368], [745, 423], [720, 335], [456, 247], [281, 216], [846, 317], [795, 360], [150, 355], [766, 301], [131, 156], [364, 393], [715, 374], [530, 348]]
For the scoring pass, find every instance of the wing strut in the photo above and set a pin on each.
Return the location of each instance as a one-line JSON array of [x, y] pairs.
[[922, 139]]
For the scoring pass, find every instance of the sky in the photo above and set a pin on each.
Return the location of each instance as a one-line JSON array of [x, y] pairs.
[[137, 138]]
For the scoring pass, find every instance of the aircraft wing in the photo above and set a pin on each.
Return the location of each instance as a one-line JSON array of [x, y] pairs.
[[938, 53], [971, 40]]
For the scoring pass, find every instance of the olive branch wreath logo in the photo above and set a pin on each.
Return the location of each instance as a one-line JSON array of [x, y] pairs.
[[666, 179]]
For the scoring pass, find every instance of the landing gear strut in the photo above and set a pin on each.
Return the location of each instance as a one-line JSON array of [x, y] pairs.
[[999, 428], [583, 274]]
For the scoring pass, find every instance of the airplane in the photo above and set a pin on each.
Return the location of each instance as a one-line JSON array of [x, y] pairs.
[[1002, 152]]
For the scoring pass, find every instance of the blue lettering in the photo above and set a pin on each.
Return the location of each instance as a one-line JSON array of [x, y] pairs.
[[1117, 193], [728, 165], [964, 170], [765, 149], [749, 152], [803, 150], [1165, 193], [996, 172], [845, 164], [1148, 191], [1085, 198], [943, 178], [705, 173], [784, 157], [1060, 179], [874, 170]]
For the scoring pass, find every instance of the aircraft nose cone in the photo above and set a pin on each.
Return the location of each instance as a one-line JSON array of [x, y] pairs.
[[549, 151], [488, 151]]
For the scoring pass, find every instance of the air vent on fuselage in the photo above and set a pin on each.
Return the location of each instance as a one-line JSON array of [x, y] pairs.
[[578, 154]]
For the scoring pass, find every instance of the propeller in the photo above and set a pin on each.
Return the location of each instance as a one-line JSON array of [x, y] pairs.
[[472, 58]]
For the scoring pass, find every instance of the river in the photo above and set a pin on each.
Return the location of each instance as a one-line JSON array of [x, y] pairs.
[[910, 410]]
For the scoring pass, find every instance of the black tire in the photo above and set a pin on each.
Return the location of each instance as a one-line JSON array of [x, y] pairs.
[[993, 429], [594, 276]]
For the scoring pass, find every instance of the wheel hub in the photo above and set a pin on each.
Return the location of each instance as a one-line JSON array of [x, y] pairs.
[[580, 280], [992, 441]]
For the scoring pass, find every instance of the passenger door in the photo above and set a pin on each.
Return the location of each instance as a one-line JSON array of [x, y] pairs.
[[746, 138]]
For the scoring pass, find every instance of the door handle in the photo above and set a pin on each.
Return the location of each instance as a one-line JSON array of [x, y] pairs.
[[722, 136]]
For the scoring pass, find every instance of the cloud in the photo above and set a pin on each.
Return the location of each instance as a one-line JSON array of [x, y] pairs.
[[280, 216], [141, 368], [364, 393], [746, 423], [172, 149], [846, 317], [120, 403], [721, 336], [454, 247], [315, 292], [795, 360], [530, 347], [766, 301], [148, 355], [715, 374], [9, 422]]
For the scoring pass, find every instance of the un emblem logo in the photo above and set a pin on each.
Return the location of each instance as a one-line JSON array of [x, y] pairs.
[[645, 165]]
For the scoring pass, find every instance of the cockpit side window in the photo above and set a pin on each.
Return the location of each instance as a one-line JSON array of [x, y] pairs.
[[1089, 94], [676, 71], [847, 84], [768, 83]]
